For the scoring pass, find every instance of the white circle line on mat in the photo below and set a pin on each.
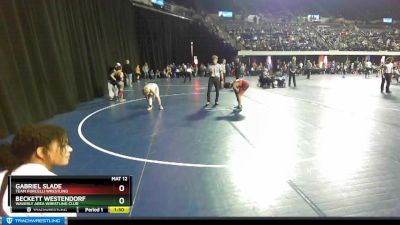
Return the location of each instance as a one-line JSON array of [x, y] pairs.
[[107, 151]]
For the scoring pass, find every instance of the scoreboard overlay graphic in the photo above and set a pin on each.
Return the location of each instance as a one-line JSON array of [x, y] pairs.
[[81, 194]]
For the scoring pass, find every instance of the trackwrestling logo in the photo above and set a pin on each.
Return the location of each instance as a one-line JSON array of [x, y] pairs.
[[33, 220]]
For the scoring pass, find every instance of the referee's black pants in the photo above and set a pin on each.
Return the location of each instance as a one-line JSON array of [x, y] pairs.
[[216, 82], [388, 78]]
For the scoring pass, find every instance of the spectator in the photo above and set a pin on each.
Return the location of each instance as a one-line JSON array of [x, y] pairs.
[[202, 70], [388, 68], [168, 73], [333, 67], [137, 72], [323, 68], [292, 71], [396, 74], [173, 67], [112, 85], [223, 67], [188, 73], [152, 74], [237, 68], [118, 75], [368, 69], [308, 69], [128, 71], [301, 67], [195, 70], [178, 71], [157, 74], [145, 70], [281, 80], [242, 70], [266, 79], [228, 70], [276, 36]]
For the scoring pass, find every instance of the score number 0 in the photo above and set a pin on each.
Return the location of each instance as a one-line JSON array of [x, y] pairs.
[[121, 188]]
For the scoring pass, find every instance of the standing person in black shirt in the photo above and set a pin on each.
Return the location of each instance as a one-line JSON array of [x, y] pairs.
[[236, 68], [387, 76], [118, 75], [308, 69], [112, 84], [292, 71], [128, 71], [228, 69]]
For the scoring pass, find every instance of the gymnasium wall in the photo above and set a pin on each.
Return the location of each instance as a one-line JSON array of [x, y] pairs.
[[55, 54]]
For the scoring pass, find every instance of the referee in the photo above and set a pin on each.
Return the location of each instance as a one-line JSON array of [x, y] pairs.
[[216, 72]]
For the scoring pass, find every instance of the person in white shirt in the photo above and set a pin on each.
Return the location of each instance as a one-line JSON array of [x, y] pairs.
[[145, 70], [216, 73], [35, 151], [188, 73], [388, 69], [151, 91]]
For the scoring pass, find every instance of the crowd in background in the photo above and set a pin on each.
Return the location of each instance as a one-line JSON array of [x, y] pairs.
[[121, 76], [356, 67], [275, 37], [267, 35]]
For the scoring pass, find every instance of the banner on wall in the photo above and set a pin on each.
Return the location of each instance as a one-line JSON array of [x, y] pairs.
[[323, 59]]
